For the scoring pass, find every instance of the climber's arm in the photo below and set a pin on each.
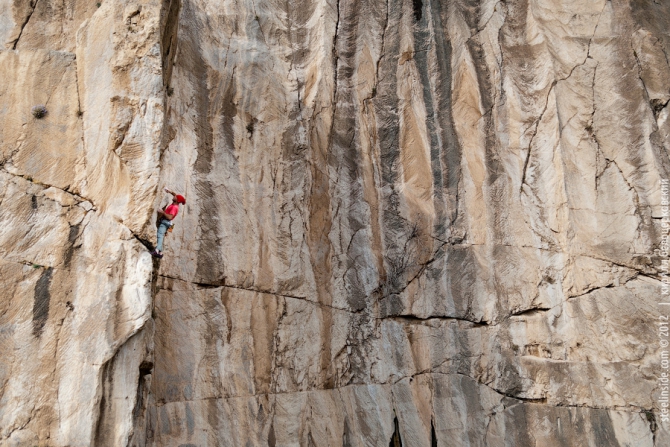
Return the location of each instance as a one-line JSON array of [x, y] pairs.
[[162, 214]]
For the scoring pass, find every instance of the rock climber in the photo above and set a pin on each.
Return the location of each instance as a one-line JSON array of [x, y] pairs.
[[165, 220]]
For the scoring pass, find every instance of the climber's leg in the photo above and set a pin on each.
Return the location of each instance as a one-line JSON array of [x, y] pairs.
[[162, 228]]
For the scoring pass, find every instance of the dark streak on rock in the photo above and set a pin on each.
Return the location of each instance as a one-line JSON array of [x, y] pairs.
[[209, 262], [71, 239], [170, 25], [272, 440], [424, 40], [190, 420], [486, 93], [344, 144], [603, 428], [522, 433], [104, 425], [450, 151], [386, 109], [41, 303], [652, 15], [347, 436]]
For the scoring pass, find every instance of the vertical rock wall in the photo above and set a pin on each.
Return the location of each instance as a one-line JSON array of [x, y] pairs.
[[417, 222], [434, 219]]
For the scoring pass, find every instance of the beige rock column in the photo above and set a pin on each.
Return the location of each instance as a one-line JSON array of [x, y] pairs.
[[76, 190]]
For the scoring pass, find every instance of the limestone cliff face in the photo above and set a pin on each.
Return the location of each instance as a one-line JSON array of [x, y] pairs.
[[433, 223]]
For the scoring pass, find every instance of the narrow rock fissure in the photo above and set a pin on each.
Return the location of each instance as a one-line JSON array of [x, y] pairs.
[[591, 290], [24, 24], [553, 84], [415, 319], [381, 52], [532, 137], [146, 242], [530, 312], [76, 196], [653, 425], [407, 318]]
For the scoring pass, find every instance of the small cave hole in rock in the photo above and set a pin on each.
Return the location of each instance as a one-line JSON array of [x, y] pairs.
[[433, 435], [418, 6], [657, 105], [396, 441], [146, 367]]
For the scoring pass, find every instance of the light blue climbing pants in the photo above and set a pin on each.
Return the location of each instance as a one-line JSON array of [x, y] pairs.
[[162, 229]]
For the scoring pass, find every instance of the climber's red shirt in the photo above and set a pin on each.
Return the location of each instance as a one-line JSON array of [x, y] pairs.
[[172, 209]]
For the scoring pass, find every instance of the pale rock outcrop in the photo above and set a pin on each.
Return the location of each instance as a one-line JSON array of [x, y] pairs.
[[74, 187], [427, 222]]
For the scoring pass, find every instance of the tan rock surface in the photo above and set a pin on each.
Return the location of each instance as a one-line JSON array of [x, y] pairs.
[[434, 223]]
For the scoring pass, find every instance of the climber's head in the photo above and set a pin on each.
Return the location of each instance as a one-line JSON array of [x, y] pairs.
[[180, 199]]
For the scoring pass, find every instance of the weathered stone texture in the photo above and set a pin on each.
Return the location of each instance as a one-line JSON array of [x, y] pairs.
[[428, 222]]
